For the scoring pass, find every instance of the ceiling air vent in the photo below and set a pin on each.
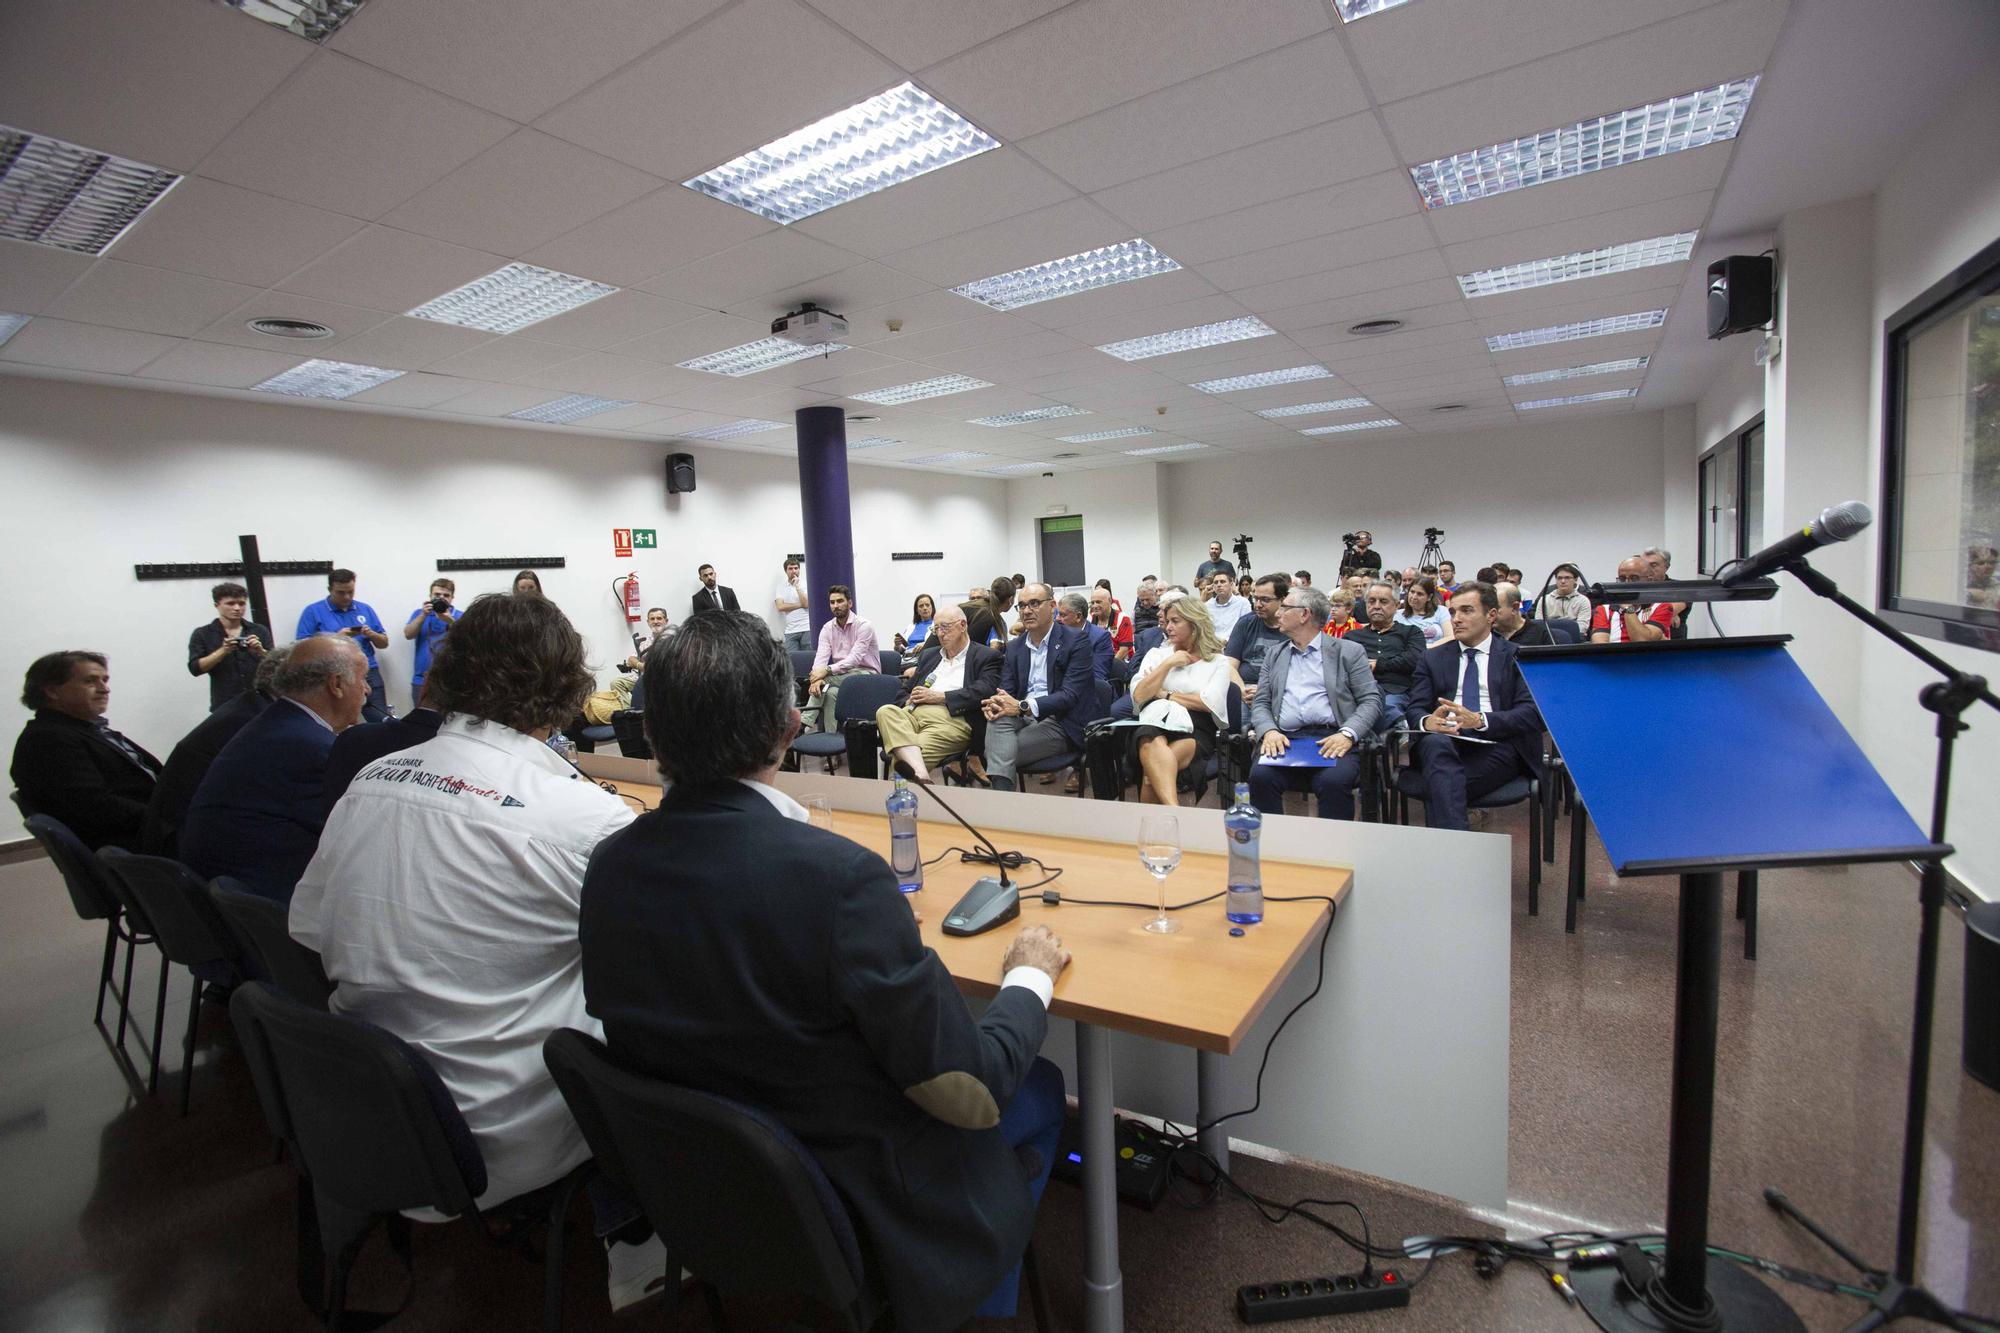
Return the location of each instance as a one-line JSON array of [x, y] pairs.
[[290, 328], [1369, 328]]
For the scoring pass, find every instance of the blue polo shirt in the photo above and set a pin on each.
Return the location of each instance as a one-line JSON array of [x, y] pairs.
[[320, 618], [428, 634]]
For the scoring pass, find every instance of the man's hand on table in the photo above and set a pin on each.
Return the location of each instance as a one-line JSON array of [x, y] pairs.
[[1036, 946]]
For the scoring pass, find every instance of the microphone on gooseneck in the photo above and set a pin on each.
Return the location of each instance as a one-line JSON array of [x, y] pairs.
[[904, 769], [1836, 523], [989, 902]]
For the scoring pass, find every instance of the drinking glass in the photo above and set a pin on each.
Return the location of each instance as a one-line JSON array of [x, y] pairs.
[[819, 812], [1160, 852]]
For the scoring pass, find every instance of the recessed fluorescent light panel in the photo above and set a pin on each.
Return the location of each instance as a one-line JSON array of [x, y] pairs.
[[11, 325], [1578, 372], [1308, 409], [1589, 328], [1263, 379], [1032, 414], [1088, 271], [1021, 468], [1678, 123], [561, 411], [1582, 264], [511, 298], [747, 426], [70, 197], [314, 20], [1609, 395], [1351, 10], [327, 379], [886, 140], [955, 456], [1092, 438], [871, 442], [1186, 340], [764, 354], [1165, 449], [910, 393], [1351, 426]]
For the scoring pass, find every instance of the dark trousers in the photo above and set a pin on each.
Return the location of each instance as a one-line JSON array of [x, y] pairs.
[[1034, 1116], [377, 707], [1455, 773], [1332, 787]]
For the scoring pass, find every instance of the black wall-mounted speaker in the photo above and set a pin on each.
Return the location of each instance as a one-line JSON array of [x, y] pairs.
[[680, 473], [1739, 294]]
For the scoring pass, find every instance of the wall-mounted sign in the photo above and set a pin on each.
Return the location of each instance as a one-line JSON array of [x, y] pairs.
[[621, 542], [645, 539]]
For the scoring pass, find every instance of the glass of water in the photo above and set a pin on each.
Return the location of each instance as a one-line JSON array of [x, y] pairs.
[[819, 812], [1160, 852]]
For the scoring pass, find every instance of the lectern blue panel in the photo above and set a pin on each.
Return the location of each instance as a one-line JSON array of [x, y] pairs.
[[1713, 757]]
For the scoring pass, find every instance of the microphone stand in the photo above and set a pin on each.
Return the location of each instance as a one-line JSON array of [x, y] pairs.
[[1897, 1295]]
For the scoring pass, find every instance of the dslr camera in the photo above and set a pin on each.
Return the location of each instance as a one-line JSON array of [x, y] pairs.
[[440, 606]]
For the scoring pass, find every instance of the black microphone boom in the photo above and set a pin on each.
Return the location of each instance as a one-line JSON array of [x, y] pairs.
[[904, 769], [1836, 523]]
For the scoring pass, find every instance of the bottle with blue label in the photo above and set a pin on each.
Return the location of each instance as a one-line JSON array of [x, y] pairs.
[[904, 858], [1242, 825]]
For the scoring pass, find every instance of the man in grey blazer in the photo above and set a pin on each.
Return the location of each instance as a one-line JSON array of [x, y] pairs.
[[1317, 689]]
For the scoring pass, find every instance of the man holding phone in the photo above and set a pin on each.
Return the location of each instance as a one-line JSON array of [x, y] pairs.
[[428, 625], [341, 614], [228, 648]]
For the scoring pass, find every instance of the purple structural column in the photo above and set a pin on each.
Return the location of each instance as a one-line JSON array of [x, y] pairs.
[[823, 504]]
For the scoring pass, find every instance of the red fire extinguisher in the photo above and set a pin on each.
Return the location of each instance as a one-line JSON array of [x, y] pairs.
[[627, 589]]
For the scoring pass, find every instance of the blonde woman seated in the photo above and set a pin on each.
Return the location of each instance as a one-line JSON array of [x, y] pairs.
[[1180, 691]]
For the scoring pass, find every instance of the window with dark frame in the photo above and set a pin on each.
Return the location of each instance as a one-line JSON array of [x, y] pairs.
[[1730, 484]]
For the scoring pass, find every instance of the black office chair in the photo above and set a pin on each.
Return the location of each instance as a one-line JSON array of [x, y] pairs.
[[264, 939], [802, 665], [189, 931], [1102, 701], [860, 695], [892, 661], [735, 1197], [629, 726], [1410, 786], [1223, 767], [95, 897], [1564, 630], [374, 1132]]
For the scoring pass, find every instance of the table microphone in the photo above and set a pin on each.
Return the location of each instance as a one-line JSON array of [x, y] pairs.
[[1836, 523], [989, 902]]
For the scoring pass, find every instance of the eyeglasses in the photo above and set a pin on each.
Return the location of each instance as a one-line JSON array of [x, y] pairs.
[[1262, 601], [1031, 603]]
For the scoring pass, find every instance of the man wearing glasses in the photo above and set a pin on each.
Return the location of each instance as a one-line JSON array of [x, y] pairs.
[[1320, 691], [1046, 694], [1259, 632]]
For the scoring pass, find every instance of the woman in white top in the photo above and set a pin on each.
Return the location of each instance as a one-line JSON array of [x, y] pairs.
[[1179, 692], [1420, 608]]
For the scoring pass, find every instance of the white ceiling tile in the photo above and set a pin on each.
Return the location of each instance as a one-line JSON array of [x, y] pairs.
[[1340, 150], [326, 139], [344, 320], [998, 184], [922, 316], [390, 270], [217, 364], [1358, 245], [503, 358], [526, 190], [155, 300], [1306, 83], [916, 343], [862, 287], [697, 337], [220, 231], [593, 373], [1161, 319], [1389, 302], [1097, 53], [494, 400], [1620, 190], [626, 418], [814, 368], [33, 276], [417, 389], [402, 343], [100, 78], [692, 104], [1341, 350], [666, 229], [1698, 50], [1067, 228], [768, 263], [1119, 299], [1380, 275], [618, 318], [1377, 198], [517, 57], [916, 33], [1573, 301], [62, 345]]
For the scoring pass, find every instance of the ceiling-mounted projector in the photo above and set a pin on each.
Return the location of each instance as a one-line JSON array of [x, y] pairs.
[[809, 326]]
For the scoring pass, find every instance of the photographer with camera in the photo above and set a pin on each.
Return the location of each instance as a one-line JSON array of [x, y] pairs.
[[228, 648], [1360, 557], [428, 625]]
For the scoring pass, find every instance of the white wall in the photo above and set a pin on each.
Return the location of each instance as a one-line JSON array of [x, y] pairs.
[[1124, 528], [102, 478]]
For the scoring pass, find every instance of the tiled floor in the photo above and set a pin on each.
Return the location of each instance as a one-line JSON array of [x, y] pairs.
[[116, 1214]]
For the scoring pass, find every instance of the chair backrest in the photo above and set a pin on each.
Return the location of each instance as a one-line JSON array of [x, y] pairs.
[[629, 725], [371, 1122], [802, 662], [259, 925], [892, 662], [1564, 630], [185, 923], [1235, 709], [91, 890], [734, 1195], [860, 696]]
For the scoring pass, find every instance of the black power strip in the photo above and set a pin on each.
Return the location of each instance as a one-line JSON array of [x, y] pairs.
[[1312, 1298]]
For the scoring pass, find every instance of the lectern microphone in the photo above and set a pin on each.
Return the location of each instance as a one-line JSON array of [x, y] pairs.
[[989, 902], [1836, 523]]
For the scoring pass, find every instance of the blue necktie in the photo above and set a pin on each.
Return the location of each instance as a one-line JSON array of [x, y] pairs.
[[1468, 693]]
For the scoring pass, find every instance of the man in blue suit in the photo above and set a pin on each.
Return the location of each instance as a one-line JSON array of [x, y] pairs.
[[1466, 691], [1047, 691], [258, 813]]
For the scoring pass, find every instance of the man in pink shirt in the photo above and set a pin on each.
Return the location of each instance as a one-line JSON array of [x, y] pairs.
[[846, 648]]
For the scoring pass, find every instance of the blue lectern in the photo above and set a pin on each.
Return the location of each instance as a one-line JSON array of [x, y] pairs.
[[1695, 758]]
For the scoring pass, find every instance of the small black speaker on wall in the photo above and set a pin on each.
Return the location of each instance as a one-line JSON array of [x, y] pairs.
[[680, 473], [1739, 294]]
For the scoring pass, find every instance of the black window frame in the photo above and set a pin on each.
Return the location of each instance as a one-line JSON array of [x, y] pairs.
[[1749, 528]]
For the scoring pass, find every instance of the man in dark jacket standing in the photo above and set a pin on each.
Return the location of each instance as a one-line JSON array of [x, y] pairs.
[[713, 596], [69, 765], [731, 947]]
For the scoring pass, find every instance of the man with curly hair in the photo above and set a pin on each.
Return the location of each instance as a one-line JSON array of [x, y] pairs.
[[443, 898]]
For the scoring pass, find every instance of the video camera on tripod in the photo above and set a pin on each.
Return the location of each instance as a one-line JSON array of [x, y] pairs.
[[1243, 553], [1433, 552]]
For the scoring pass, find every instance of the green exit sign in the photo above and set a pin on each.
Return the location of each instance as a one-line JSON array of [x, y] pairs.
[[645, 539]]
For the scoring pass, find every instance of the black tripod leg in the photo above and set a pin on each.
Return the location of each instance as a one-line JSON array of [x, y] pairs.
[[1777, 1200]]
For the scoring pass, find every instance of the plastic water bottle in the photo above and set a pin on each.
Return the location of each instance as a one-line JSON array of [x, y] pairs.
[[563, 745], [1243, 824], [904, 858]]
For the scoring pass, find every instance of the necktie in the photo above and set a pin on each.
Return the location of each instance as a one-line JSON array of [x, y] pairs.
[[1468, 693]]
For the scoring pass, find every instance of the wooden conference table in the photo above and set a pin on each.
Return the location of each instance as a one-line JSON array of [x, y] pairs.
[[1199, 987]]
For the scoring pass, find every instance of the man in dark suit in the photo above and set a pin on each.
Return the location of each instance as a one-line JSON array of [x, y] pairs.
[[358, 747], [257, 815], [731, 947], [1075, 614], [1047, 691], [192, 755], [943, 692], [69, 765], [1472, 688], [713, 596], [1316, 689]]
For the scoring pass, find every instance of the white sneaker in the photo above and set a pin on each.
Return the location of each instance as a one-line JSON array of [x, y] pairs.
[[638, 1272]]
